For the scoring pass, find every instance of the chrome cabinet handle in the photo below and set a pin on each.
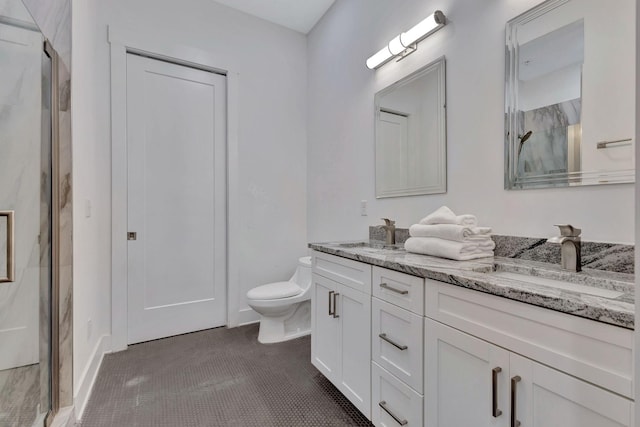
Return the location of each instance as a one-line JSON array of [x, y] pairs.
[[514, 384], [330, 294], [383, 405], [11, 241], [398, 291], [335, 315], [393, 343], [494, 395]]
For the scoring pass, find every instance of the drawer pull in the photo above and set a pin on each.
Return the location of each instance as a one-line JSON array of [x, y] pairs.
[[330, 294], [335, 315], [494, 395], [514, 384], [398, 291], [383, 405], [395, 344]]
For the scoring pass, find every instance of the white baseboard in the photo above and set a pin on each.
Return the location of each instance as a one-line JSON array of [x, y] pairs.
[[246, 316], [88, 377]]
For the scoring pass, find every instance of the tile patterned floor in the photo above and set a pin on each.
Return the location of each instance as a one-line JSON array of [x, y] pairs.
[[19, 396], [217, 377]]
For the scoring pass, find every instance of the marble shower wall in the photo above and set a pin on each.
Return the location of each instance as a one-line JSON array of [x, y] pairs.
[[20, 167], [546, 151], [66, 232], [54, 19], [21, 129]]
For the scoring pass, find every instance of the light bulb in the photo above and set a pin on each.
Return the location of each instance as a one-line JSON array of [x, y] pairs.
[[424, 28], [396, 46], [382, 56]]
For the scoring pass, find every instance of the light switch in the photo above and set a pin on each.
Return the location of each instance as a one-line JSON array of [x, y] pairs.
[[363, 207]]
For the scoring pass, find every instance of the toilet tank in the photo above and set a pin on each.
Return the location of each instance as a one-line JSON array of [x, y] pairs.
[[302, 275]]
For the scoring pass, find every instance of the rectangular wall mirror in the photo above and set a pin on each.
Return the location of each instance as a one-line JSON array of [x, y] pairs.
[[410, 117], [570, 106]]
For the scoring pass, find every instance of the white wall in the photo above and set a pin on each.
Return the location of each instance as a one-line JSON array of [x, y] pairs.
[[341, 126], [271, 65]]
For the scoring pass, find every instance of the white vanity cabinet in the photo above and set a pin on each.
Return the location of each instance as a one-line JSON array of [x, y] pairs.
[[341, 325], [412, 351], [474, 383]]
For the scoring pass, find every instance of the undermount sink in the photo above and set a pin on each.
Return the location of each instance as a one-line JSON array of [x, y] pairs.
[[559, 284], [373, 247], [564, 280]]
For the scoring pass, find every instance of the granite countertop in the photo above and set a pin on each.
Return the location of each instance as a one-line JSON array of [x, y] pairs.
[[481, 275]]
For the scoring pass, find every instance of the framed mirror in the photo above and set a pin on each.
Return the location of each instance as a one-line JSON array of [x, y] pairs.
[[410, 134], [569, 99]]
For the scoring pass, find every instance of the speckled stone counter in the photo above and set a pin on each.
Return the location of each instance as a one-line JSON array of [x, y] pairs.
[[477, 275]]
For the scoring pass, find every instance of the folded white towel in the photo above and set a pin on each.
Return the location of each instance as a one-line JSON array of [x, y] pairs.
[[444, 215], [459, 251], [455, 232]]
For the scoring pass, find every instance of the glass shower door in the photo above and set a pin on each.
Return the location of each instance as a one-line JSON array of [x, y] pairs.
[[25, 220]]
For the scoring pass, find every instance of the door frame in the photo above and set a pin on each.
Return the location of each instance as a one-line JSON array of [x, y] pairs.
[[123, 41]]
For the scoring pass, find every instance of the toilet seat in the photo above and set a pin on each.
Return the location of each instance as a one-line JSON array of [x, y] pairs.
[[275, 290]]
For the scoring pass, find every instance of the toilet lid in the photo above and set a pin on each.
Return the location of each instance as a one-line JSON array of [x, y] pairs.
[[274, 291]]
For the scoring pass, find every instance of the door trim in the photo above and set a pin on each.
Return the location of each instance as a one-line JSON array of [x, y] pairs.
[[125, 41]]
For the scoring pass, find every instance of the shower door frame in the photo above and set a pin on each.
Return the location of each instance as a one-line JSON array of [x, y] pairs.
[[55, 237]]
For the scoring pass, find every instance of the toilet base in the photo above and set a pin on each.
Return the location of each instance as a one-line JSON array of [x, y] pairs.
[[295, 323]]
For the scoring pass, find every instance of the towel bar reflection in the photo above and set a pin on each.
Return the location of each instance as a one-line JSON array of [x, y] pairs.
[[605, 144], [10, 275]]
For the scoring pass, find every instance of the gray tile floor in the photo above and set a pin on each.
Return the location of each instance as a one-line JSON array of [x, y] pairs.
[[217, 377], [19, 396]]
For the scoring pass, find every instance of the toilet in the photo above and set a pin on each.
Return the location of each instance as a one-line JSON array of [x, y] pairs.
[[284, 307]]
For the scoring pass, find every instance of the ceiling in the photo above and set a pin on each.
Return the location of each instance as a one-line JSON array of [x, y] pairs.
[[299, 15]]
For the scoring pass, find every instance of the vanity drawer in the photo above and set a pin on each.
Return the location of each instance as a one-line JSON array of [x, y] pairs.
[[397, 342], [401, 289], [356, 275], [592, 351], [393, 402]]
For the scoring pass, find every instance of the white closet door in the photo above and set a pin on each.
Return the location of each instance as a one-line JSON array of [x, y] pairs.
[[176, 139]]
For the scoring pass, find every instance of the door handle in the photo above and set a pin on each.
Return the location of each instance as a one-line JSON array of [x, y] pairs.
[[397, 419], [494, 395], [11, 250], [393, 343], [514, 385], [335, 316], [330, 294]]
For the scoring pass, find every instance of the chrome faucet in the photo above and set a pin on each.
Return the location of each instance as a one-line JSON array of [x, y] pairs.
[[569, 241], [390, 228]]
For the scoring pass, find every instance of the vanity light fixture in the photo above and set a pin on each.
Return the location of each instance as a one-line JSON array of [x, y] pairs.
[[406, 43]]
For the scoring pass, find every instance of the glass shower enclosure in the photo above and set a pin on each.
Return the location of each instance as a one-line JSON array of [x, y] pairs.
[[27, 147]]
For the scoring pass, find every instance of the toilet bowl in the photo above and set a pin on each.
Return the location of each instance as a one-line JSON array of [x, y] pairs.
[[284, 307]]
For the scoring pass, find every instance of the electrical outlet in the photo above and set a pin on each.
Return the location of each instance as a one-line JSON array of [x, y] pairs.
[[87, 208], [363, 207]]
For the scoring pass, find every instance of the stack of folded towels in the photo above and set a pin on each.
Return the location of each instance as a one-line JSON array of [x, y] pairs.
[[447, 235]]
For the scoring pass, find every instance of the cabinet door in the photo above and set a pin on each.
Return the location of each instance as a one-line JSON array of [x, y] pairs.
[[546, 397], [354, 309], [325, 354], [462, 376]]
